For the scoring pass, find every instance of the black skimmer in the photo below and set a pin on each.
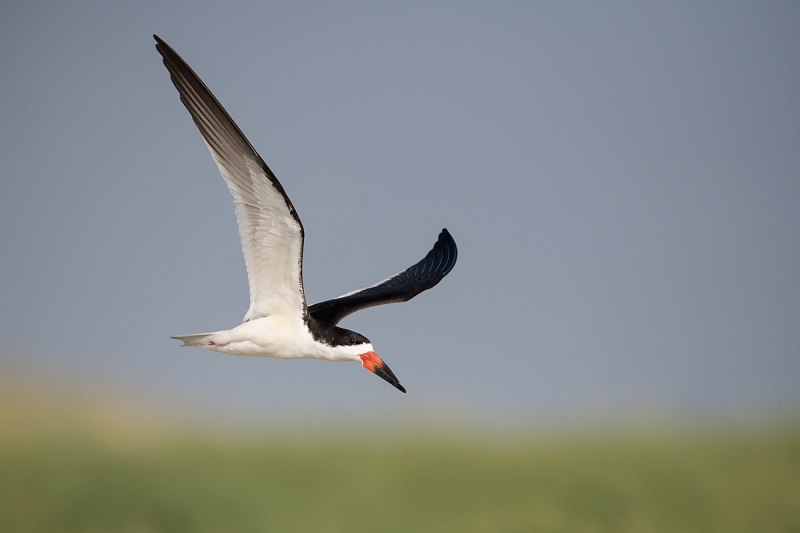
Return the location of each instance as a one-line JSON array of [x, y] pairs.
[[279, 323]]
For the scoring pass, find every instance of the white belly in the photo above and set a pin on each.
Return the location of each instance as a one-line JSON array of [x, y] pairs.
[[276, 336]]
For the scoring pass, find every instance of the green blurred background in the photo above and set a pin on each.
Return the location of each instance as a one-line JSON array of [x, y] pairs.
[[82, 461]]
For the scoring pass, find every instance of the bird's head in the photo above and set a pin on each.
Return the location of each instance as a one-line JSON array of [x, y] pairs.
[[354, 344], [345, 345]]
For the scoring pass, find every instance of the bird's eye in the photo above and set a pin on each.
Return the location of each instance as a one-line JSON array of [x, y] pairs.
[[352, 341]]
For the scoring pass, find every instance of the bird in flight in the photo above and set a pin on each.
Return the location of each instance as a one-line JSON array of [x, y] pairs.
[[279, 323]]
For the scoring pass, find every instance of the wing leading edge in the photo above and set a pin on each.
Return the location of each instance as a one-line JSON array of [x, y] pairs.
[[399, 288]]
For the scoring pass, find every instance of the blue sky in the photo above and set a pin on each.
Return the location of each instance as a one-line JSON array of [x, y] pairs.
[[623, 182]]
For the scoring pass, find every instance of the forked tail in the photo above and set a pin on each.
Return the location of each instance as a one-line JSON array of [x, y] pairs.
[[198, 340]]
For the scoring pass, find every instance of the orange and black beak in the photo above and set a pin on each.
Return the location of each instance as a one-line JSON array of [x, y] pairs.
[[374, 364]]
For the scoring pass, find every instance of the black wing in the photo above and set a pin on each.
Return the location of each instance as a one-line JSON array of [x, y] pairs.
[[399, 288]]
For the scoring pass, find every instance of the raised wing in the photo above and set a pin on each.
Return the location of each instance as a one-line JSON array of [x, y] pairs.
[[399, 288], [270, 230]]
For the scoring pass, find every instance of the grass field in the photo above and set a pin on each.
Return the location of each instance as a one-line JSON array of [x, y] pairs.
[[63, 470]]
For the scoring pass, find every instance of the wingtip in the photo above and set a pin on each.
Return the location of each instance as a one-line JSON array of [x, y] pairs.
[[450, 242], [162, 46]]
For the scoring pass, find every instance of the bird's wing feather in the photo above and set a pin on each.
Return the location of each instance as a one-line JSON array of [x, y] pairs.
[[399, 288], [269, 227]]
